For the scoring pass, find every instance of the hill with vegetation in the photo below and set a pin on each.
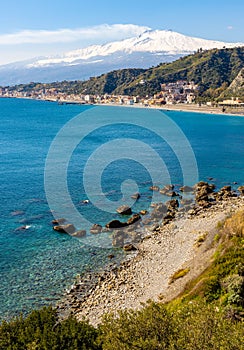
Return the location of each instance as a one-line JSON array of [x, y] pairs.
[[218, 72], [207, 315]]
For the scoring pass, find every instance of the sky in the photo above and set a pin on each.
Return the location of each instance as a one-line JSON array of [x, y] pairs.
[[31, 28]]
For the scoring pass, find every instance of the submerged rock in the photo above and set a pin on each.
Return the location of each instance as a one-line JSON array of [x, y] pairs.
[[58, 221], [136, 196], [186, 189], [96, 228], [79, 233]]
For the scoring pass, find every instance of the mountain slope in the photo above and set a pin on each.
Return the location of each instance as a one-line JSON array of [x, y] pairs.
[[148, 49], [210, 70], [236, 88]]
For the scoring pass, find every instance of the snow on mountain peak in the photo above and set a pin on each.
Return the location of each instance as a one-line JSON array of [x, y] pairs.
[[150, 41]]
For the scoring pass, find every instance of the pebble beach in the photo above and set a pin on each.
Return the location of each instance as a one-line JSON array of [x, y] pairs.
[[185, 244]]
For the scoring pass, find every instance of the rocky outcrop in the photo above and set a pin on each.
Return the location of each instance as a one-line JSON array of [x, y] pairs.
[[96, 228], [124, 210], [79, 233], [69, 228], [129, 247], [159, 210], [116, 224], [58, 221], [133, 219], [241, 190]]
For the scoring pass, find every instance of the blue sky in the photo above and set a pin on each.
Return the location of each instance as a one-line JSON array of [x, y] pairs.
[[30, 28]]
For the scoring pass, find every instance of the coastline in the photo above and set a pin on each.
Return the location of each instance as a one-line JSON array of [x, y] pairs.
[[191, 108], [146, 274]]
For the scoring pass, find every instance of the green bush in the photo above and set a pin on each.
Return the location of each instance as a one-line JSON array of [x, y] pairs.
[[42, 331]]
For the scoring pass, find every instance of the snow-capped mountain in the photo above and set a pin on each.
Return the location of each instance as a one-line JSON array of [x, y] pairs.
[[143, 51]]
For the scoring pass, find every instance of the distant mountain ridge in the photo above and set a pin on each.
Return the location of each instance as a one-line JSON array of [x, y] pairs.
[[150, 48]]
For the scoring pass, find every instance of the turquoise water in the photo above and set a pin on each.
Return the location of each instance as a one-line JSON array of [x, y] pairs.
[[38, 264]]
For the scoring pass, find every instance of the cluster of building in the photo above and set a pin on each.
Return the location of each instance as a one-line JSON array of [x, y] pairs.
[[171, 93]]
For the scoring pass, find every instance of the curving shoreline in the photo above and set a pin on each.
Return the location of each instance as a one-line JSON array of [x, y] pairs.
[[184, 243]]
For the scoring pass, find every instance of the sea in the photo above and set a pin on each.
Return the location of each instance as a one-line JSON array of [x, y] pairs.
[[80, 163]]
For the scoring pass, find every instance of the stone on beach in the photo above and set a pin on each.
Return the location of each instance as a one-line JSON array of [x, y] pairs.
[[241, 190]]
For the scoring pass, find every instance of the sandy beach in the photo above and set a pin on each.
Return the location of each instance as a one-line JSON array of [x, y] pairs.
[[187, 243]]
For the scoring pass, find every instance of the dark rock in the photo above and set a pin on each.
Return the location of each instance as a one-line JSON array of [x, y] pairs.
[[79, 233], [124, 210], [172, 204], [186, 201], [69, 228], [143, 212], [241, 190], [154, 188], [116, 224], [171, 194], [58, 221], [226, 189], [111, 256], [129, 247], [186, 189], [136, 196], [204, 186], [133, 219], [96, 228]]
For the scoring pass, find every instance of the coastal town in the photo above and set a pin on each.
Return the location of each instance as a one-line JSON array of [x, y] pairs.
[[171, 94]]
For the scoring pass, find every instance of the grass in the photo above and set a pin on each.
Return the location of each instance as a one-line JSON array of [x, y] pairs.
[[179, 274]]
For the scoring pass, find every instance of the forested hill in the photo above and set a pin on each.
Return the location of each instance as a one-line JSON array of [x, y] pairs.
[[213, 70]]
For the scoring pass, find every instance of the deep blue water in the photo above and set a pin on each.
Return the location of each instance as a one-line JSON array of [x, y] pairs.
[[38, 264]]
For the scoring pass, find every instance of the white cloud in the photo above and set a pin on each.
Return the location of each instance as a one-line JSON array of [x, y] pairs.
[[230, 27], [101, 32]]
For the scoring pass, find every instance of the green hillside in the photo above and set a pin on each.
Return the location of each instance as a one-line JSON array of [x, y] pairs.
[[213, 70]]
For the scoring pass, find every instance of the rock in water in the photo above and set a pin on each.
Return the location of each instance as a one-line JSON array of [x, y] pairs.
[[133, 219], [69, 228], [58, 221], [96, 228], [79, 233], [186, 189], [124, 210], [116, 224], [136, 196]]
